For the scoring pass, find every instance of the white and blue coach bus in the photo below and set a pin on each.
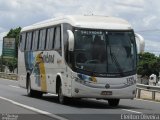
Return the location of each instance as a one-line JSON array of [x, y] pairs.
[[79, 57]]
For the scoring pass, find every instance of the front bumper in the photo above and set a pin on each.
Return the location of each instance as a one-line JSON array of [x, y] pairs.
[[83, 91]]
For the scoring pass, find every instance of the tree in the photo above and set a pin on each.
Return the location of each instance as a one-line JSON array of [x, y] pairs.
[[12, 64], [148, 64], [2, 62]]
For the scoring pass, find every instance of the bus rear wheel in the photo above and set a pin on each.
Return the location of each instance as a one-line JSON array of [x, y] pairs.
[[30, 92], [113, 102]]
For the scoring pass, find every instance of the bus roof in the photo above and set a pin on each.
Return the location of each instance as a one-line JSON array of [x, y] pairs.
[[83, 21]]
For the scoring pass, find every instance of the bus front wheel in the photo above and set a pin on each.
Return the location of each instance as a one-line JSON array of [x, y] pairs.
[[61, 97], [113, 102]]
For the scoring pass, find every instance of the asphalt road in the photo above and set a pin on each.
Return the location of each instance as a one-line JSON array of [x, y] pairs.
[[13, 100]]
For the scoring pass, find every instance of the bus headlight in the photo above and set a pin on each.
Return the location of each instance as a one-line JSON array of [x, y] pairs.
[[131, 81], [83, 79]]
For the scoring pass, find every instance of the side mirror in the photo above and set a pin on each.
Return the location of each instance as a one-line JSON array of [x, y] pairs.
[[140, 43], [70, 40]]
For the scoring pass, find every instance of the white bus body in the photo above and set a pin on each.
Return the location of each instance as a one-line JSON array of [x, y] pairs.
[[48, 58]]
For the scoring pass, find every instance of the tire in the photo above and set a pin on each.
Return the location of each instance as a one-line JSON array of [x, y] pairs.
[[61, 98], [30, 92], [113, 102]]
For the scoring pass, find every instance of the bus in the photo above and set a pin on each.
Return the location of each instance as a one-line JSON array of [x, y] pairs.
[[78, 56]]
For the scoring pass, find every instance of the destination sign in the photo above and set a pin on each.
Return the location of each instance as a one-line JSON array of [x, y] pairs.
[[90, 32]]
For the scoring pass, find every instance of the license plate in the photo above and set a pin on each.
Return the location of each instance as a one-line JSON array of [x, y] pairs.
[[106, 93]]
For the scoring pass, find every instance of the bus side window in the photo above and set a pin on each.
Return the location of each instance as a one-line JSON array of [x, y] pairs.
[[42, 39], [22, 41], [57, 42], [35, 40], [50, 39], [45, 43], [28, 41]]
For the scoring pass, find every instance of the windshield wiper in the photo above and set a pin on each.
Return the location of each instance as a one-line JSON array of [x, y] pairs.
[[116, 62]]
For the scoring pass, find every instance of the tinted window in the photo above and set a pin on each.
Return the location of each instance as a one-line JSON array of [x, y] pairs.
[[42, 39], [57, 44], [35, 40], [50, 39], [28, 41], [106, 52], [22, 41]]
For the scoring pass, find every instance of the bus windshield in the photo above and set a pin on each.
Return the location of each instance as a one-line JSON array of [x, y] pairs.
[[105, 52]]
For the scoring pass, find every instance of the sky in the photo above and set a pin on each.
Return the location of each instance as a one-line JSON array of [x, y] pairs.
[[143, 15]]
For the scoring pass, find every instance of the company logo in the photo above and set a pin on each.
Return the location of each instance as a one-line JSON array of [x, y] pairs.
[[107, 86], [48, 58]]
